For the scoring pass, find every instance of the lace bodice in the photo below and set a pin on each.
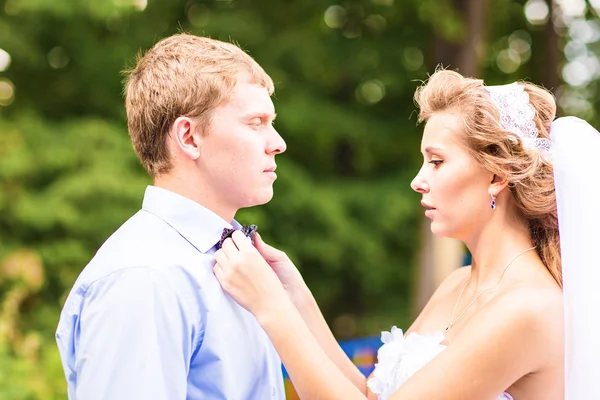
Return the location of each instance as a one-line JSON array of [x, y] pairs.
[[400, 357]]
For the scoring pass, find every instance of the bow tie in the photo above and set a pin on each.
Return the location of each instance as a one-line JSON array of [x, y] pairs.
[[246, 230]]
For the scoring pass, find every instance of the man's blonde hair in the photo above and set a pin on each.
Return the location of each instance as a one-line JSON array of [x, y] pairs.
[[182, 75]]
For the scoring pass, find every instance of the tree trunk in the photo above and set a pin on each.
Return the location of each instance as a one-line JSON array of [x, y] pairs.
[[551, 73], [439, 255]]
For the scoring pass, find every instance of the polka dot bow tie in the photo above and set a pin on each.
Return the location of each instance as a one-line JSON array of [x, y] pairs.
[[246, 230]]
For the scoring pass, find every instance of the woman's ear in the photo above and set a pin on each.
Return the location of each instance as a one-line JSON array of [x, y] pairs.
[[497, 185]]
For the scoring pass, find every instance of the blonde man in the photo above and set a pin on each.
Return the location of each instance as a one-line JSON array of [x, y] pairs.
[[147, 319]]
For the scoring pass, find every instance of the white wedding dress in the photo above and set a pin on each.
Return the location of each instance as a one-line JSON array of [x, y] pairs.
[[400, 357]]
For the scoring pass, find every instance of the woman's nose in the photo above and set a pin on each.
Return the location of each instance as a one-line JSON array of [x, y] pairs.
[[419, 183]]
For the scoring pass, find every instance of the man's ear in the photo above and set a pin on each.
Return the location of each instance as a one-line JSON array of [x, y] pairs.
[[186, 137], [497, 185]]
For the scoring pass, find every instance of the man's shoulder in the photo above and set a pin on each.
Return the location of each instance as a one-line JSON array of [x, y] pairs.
[[140, 231], [145, 240], [144, 244]]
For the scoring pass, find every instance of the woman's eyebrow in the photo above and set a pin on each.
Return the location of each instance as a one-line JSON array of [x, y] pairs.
[[432, 149]]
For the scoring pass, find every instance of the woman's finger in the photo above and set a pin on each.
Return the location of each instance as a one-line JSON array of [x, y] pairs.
[[221, 258], [219, 273], [268, 252], [241, 241], [258, 240], [229, 247]]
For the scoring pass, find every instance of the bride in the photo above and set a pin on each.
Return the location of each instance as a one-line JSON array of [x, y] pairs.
[[494, 330]]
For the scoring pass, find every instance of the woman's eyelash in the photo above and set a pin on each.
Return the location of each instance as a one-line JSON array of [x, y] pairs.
[[435, 162]]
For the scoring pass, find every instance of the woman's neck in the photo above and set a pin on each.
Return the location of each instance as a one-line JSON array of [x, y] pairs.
[[497, 245]]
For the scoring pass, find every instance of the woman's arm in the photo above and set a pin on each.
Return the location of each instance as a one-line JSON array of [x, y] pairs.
[[312, 371], [312, 316], [505, 341], [304, 301]]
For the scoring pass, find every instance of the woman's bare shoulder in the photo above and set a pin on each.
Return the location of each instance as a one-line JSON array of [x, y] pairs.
[[516, 333], [534, 312], [542, 303]]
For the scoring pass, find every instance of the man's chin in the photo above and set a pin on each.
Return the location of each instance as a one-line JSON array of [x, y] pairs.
[[259, 199]]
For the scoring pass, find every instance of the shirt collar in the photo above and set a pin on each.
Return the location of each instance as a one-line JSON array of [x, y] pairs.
[[197, 224]]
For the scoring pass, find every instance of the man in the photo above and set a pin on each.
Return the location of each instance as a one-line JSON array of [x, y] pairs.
[[147, 319]]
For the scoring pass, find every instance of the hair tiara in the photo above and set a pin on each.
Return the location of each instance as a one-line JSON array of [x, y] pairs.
[[517, 114]]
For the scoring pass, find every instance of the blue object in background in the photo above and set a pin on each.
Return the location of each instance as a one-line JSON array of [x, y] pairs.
[[362, 352]]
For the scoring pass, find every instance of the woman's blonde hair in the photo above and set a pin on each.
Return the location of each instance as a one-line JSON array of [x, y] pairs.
[[530, 177]]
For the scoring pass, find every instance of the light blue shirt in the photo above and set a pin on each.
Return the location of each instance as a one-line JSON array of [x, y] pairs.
[[147, 319]]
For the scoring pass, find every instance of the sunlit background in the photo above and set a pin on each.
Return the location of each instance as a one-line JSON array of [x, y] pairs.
[[345, 73]]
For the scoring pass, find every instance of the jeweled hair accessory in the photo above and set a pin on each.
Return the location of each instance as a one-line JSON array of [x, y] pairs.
[[517, 114]]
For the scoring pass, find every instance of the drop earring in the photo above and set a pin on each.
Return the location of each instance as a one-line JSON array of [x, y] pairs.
[[493, 204]]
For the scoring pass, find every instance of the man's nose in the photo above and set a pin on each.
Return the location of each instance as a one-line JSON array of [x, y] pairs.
[[276, 144]]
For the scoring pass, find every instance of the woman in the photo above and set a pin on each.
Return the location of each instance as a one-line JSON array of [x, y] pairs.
[[490, 331]]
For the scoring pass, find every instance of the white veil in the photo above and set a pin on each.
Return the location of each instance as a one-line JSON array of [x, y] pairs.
[[576, 155]]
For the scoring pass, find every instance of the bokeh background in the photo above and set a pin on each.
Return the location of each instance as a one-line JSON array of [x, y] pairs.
[[345, 73]]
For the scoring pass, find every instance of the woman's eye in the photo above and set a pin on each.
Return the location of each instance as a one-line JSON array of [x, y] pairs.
[[435, 162]]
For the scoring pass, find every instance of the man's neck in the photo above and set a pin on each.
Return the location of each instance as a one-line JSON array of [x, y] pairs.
[[197, 192]]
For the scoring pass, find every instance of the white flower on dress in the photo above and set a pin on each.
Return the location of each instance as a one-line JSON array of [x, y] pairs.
[[400, 357]]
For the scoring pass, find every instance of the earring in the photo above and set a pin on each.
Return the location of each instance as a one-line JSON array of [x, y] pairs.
[[493, 205]]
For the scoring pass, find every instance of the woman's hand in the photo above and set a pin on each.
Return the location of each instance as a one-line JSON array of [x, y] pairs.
[[247, 277], [286, 271]]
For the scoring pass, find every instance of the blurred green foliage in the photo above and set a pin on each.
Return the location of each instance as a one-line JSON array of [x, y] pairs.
[[345, 74]]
